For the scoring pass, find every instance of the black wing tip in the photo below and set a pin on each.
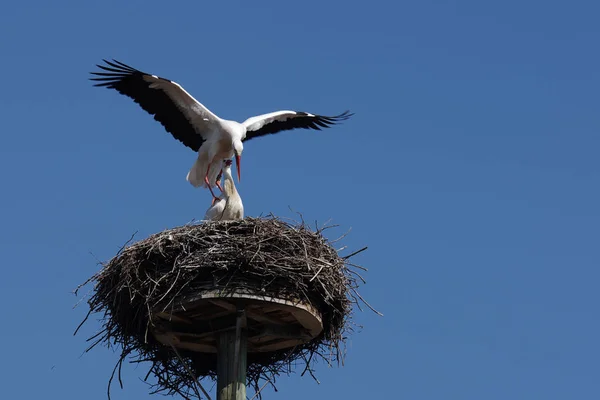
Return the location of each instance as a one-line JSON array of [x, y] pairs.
[[323, 121], [344, 116], [335, 119], [115, 67], [118, 64], [114, 71]]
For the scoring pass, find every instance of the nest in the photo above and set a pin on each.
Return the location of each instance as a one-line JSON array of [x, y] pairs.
[[279, 259]]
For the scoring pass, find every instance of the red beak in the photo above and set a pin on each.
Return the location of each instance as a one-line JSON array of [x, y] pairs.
[[238, 160]]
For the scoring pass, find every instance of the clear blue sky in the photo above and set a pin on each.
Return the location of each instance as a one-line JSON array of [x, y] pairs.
[[470, 169]]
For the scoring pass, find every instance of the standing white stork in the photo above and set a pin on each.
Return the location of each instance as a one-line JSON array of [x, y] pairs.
[[230, 206], [215, 139]]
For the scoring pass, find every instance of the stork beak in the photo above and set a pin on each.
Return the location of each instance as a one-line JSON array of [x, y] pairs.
[[238, 159]]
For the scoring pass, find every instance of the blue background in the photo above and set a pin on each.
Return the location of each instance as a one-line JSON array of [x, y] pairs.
[[470, 170]]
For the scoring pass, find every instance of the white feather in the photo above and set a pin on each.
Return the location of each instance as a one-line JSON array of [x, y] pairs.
[[215, 212]]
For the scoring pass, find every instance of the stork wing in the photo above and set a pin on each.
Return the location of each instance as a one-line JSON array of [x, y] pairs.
[[178, 112], [215, 212], [285, 120]]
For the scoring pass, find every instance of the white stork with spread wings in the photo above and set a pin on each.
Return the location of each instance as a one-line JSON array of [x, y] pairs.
[[215, 139]]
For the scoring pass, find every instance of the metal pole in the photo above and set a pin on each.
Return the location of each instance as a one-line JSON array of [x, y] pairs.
[[231, 361]]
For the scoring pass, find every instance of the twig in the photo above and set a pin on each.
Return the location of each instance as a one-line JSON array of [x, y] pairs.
[[355, 253], [318, 272], [368, 305], [194, 379], [269, 379]]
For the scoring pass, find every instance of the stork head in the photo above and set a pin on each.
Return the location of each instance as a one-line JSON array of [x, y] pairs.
[[226, 168], [238, 148]]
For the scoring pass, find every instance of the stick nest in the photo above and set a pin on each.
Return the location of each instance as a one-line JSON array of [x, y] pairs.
[[279, 259]]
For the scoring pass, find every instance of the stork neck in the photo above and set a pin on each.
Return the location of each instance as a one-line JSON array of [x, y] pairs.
[[227, 173], [229, 187]]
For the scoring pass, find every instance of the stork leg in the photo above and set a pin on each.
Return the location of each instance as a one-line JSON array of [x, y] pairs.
[[218, 181], [215, 198]]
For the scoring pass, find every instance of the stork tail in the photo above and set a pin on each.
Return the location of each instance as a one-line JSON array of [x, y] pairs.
[[196, 174]]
